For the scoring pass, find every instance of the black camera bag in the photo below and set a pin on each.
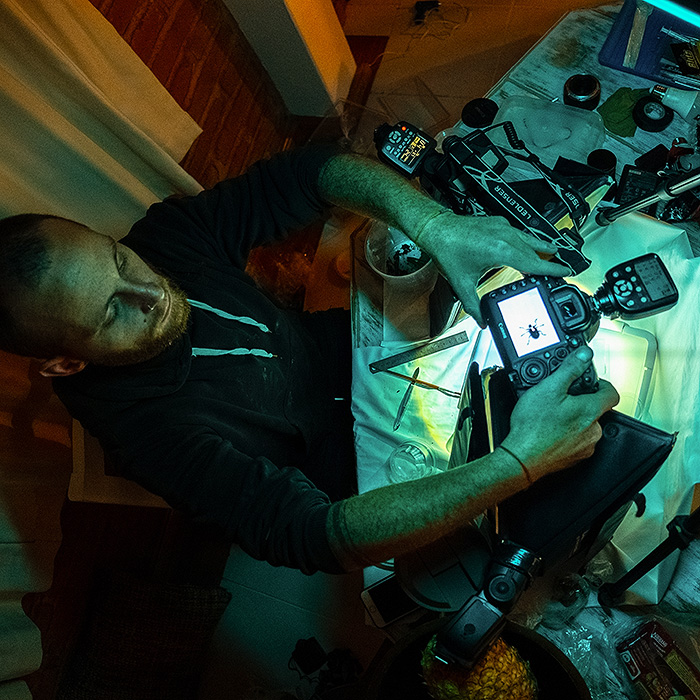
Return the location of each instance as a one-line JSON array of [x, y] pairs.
[[577, 510]]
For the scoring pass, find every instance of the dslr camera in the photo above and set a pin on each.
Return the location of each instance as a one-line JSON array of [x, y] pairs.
[[537, 321], [469, 177]]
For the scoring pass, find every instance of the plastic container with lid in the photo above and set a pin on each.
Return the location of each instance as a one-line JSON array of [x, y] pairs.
[[412, 459], [551, 129]]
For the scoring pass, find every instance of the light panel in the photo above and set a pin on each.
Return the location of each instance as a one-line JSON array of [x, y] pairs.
[[685, 11]]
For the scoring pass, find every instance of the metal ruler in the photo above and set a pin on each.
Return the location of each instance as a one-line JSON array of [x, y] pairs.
[[421, 351]]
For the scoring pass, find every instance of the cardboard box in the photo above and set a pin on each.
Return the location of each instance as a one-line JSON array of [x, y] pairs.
[[659, 670]]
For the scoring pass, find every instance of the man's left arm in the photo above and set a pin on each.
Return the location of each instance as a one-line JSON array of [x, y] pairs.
[[463, 247]]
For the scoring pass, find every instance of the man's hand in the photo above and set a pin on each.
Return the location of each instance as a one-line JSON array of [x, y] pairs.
[[465, 247], [551, 429]]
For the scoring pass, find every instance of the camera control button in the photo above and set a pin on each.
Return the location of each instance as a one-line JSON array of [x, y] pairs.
[[533, 370], [561, 353], [623, 288]]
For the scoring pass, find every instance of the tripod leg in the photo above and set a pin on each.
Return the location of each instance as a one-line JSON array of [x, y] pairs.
[[681, 531]]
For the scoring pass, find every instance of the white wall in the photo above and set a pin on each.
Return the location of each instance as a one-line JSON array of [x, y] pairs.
[[302, 46]]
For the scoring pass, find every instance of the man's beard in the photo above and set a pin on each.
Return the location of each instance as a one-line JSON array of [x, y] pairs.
[[155, 345]]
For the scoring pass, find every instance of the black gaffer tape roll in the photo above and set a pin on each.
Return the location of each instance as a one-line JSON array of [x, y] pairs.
[[650, 115]]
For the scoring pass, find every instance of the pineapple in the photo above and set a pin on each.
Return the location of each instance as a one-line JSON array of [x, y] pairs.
[[500, 674]]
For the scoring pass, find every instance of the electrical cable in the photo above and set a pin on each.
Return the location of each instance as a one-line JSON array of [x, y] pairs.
[[424, 29]]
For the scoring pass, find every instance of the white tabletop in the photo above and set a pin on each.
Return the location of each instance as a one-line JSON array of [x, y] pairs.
[[431, 415]]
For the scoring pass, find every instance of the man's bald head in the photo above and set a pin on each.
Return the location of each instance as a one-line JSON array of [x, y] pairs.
[[69, 292]]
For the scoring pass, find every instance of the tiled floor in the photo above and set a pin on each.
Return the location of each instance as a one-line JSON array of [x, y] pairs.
[[458, 53], [273, 608], [426, 75]]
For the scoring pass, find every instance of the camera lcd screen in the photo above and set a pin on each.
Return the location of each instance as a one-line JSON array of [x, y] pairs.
[[654, 280], [413, 151], [528, 322]]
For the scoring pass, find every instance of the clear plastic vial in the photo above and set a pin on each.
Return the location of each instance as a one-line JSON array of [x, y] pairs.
[[410, 460]]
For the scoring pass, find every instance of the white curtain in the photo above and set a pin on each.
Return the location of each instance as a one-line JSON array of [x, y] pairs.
[[86, 132]]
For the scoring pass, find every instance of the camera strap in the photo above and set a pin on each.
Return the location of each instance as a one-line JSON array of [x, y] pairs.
[[482, 161], [573, 200]]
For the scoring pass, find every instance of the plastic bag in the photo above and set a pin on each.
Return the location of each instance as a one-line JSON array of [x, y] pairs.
[[591, 642]]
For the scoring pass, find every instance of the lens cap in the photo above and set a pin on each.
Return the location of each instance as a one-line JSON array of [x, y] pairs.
[[479, 113]]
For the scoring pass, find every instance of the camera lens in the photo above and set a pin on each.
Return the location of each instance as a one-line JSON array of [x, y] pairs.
[[582, 90]]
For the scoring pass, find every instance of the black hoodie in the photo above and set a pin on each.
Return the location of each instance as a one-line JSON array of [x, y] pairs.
[[227, 438]]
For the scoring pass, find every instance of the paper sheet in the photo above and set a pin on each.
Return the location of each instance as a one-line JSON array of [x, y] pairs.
[[430, 415]]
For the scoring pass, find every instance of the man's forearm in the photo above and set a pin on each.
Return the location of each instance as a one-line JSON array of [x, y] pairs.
[[371, 189], [462, 247], [396, 519]]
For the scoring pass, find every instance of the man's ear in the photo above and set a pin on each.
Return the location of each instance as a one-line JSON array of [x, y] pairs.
[[61, 366]]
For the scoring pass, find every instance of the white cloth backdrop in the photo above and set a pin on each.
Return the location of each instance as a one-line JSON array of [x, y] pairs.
[[674, 395], [87, 132]]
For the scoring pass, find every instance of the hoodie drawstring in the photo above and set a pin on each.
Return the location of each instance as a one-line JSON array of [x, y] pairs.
[[212, 352]]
